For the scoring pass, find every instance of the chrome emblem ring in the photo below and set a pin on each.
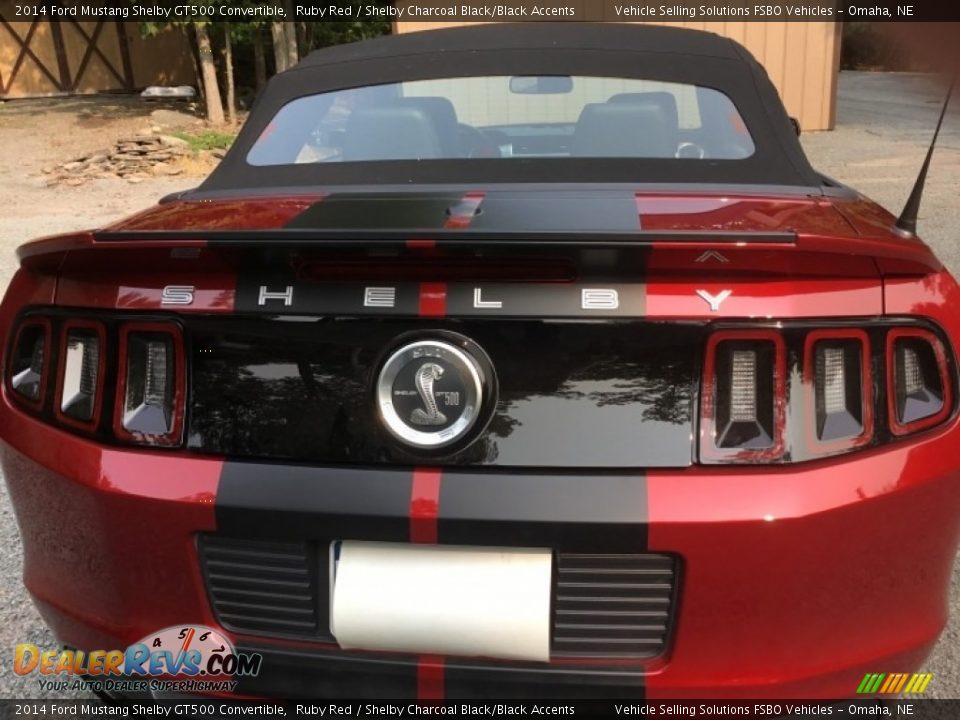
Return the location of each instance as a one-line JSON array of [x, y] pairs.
[[429, 393]]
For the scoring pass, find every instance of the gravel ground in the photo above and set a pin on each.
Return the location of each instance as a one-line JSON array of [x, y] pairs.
[[72, 127], [884, 125], [69, 128]]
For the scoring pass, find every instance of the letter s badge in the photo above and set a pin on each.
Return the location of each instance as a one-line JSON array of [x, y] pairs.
[[177, 295]]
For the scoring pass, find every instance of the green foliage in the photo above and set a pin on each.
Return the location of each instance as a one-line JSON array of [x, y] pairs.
[[327, 33], [149, 29], [866, 46], [207, 140], [311, 36]]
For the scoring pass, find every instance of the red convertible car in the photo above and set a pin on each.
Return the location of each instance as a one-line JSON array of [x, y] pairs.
[[500, 361]]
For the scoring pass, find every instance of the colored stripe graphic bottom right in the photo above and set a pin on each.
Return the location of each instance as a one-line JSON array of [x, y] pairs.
[[894, 683]]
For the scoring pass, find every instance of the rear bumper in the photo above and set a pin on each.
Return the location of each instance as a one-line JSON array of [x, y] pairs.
[[795, 580]]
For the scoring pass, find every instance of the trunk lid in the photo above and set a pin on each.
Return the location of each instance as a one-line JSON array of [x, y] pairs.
[[594, 308]]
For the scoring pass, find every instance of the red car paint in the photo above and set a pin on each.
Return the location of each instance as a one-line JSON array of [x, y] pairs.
[[109, 534]]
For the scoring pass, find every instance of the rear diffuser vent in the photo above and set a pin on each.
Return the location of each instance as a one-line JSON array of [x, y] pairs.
[[261, 587], [612, 605], [605, 605]]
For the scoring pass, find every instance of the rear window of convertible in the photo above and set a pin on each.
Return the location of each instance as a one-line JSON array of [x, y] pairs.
[[506, 117]]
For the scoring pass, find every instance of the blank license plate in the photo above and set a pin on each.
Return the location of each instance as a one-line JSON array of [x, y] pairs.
[[450, 600]]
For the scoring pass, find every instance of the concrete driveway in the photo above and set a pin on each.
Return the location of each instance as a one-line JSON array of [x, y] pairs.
[[885, 122]]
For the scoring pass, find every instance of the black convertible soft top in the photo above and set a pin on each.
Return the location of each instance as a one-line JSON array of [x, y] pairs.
[[587, 49]]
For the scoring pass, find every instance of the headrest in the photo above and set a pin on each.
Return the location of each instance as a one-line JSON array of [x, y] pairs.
[[623, 130], [664, 100], [390, 132], [444, 118]]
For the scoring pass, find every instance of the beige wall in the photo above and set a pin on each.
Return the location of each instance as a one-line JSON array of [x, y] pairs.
[[486, 101], [97, 74], [802, 59], [30, 78], [163, 59], [160, 60]]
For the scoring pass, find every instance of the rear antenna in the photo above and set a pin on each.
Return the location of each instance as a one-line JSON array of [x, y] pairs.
[[907, 222]]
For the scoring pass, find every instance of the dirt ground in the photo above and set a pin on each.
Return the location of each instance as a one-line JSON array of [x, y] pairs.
[[39, 134], [884, 125]]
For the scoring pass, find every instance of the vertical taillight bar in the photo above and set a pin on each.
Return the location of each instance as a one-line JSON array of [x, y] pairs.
[[80, 374], [919, 387], [28, 366], [151, 385], [743, 400], [838, 388]]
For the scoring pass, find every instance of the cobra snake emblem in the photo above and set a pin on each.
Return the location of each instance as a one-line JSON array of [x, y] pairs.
[[429, 414]]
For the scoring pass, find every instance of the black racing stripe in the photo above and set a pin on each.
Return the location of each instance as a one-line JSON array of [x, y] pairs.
[[508, 681], [285, 295], [367, 211], [572, 512], [545, 210], [546, 300], [279, 501], [263, 291], [291, 673], [311, 673]]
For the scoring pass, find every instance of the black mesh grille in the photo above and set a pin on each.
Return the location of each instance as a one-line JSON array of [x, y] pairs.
[[605, 605], [612, 605], [262, 587]]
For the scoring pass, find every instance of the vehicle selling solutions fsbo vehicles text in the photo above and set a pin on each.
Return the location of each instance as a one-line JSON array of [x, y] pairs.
[[722, 11]]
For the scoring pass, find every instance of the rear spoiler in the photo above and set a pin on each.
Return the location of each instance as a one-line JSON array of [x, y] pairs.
[[606, 253], [473, 239]]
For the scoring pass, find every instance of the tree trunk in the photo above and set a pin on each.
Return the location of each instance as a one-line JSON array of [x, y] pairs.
[[228, 71], [190, 34], [301, 37], [306, 47], [290, 31], [259, 59], [279, 36], [208, 69]]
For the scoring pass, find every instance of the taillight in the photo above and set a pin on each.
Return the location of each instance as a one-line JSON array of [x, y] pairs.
[[787, 392], [80, 375], [796, 392], [145, 359], [150, 393], [29, 361], [918, 386], [839, 382], [744, 396]]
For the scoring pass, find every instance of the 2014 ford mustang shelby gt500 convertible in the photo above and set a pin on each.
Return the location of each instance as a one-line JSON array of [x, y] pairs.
[[512, 360]]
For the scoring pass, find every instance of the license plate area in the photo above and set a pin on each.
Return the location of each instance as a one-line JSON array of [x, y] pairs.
[[451, 600]]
